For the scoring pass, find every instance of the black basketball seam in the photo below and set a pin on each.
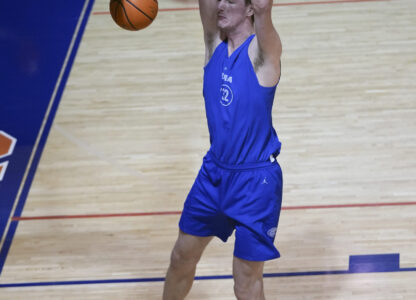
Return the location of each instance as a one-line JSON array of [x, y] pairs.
[[125, 13], [139, 10], [116, 9]]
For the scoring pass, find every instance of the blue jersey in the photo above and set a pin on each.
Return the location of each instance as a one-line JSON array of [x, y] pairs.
[[238, 108]]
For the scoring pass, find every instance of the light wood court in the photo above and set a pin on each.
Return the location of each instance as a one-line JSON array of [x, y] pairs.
[[130, 134]]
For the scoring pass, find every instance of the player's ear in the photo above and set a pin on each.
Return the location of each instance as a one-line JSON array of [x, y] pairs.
[[250, 10]]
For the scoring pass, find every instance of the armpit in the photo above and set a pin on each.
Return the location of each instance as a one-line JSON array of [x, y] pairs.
[[258, 61]]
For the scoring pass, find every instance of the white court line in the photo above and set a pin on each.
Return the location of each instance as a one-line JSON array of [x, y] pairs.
[[3, 169]]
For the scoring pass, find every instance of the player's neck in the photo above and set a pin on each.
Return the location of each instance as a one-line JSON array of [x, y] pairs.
[[238, 36]]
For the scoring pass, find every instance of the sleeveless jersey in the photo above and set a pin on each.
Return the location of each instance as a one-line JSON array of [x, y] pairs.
[[238, 108]]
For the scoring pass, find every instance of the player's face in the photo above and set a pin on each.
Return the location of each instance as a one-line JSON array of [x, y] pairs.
[[231, 13]]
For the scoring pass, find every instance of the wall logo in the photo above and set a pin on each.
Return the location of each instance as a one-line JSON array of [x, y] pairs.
[[7, 144]]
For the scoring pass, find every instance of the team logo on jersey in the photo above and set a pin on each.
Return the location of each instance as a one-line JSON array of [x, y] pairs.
[[272, 232], [7, 144], [227, 78], [226, 95]]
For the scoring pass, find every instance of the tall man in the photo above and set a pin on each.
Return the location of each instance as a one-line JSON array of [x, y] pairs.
[[239, 185]]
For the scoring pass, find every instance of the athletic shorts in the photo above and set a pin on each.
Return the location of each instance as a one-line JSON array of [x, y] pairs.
[[246, 198]]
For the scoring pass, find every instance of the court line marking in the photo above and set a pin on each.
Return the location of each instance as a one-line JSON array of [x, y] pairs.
[[160, 213], [213, 277], [277, 4]]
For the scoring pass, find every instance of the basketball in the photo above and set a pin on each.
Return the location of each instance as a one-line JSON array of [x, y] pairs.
[[133, 14]]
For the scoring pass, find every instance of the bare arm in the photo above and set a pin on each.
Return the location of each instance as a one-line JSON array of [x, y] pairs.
[[267, 49], [208, 12]]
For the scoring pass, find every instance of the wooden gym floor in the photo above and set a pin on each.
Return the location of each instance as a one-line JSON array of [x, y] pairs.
[[129, 137]]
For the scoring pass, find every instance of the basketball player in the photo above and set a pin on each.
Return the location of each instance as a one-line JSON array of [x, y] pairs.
[[239, 185]]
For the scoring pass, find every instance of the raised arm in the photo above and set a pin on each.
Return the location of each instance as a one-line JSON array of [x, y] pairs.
[[266, 51], [208, 12]]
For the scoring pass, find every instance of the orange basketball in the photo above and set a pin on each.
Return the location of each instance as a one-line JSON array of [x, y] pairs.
[[133, 14]]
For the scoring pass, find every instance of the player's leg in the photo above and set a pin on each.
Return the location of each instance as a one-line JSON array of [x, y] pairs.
[[248, 279], [256, 217], [184, 258]]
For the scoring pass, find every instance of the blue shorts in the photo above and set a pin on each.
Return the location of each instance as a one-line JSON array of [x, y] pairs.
[[246, 198]]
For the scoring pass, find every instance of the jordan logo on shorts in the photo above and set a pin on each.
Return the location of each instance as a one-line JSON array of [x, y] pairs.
[[264, 181]]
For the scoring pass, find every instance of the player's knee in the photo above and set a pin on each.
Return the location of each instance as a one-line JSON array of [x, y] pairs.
[[183, 259], [249, 290], [240, 291]]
